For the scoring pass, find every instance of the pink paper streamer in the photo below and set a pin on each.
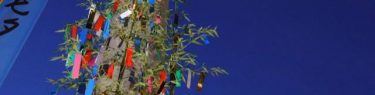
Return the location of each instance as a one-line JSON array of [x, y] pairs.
[[76, 66]]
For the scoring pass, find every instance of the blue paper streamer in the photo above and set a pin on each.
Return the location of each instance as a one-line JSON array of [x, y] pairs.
[[106, 29], [82, 37], [152, 2], [90, 87]]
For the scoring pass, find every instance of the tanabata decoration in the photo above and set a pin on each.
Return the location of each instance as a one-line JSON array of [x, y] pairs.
[[76, 66], [132, 47], [90, 87]]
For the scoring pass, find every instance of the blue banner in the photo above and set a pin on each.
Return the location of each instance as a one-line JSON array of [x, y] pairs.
[[17, 19]]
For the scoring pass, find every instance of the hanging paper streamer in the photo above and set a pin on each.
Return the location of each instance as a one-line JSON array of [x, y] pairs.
[[90, 87], [82, 38], [70, 59], [74, 31], [205, 39], [149, 84], [110, 71], [188, 83], [126, 14], [99, 24], [129, 58], [76, 66], [152, 2], [115, 6], [178, 78], [106, 28], [200, 81]]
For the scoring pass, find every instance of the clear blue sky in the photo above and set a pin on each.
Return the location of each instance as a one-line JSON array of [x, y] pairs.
[[269, 47]]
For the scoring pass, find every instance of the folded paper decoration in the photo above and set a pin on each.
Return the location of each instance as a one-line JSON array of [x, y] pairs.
[[76, 66], [129, 58], [90, 87]]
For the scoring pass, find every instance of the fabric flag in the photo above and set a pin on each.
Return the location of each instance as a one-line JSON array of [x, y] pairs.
[[76, 66], [17, 19], [90, 87]]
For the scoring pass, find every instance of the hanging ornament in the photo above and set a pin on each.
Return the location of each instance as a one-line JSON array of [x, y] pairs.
[[200, 81], [90, 87], [76, 66], [129, 58]]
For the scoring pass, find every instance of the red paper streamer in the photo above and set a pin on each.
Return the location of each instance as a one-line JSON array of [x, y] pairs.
[[88, 56], [74, 31], [115, 6], [129, 58], [99, 23], [110, 71]]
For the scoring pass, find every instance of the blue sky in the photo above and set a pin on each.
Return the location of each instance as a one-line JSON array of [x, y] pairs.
[[269, 47]]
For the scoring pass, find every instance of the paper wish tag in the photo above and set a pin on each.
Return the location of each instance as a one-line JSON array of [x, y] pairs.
[[115, 6], [125, 14], [70, 59], [99, 24], [149, 84], [76, 66], [74, 31], [107, 29], [110, 71]]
